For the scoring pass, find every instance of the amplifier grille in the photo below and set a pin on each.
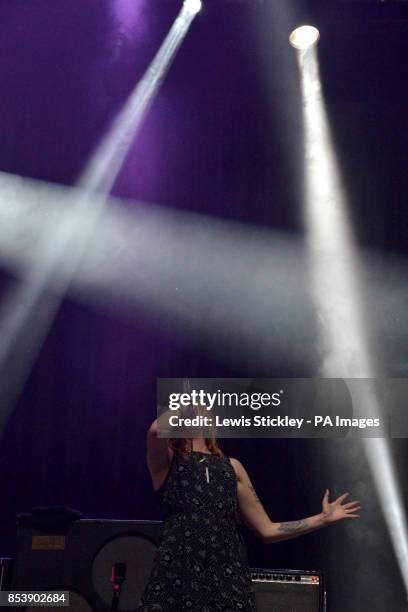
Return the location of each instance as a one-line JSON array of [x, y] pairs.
[[288, 591]]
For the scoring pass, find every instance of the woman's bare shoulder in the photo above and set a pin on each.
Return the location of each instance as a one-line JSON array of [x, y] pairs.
[[238, 467]]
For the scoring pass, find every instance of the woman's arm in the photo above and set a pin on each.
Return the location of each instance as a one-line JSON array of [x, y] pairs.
[[255, 517], [159, 456]]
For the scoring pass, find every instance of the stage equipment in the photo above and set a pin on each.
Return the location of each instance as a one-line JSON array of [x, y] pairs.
[[289, 590], [6, 568], [117, 580], [84, 557], [193, 6], [304, 37]]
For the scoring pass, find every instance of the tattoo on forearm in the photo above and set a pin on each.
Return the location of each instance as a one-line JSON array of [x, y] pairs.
[[293, 526], [258, 501]]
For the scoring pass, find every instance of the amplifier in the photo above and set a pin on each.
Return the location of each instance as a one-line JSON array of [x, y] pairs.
[[288, 590], [80, 557]]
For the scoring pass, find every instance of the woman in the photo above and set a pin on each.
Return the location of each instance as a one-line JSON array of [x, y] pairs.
[[201, 564]]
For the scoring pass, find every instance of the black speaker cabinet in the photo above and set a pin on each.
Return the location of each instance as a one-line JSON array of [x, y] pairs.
[[288, 591], [80, 560]]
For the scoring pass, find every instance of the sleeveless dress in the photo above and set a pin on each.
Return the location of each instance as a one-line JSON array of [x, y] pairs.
[[201, 564]]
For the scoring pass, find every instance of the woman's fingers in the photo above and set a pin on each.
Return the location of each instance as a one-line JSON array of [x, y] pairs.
[[340, 499], [353, 516], [350, 505]]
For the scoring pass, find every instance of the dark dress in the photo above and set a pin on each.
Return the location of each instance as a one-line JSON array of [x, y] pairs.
[[201, 563]]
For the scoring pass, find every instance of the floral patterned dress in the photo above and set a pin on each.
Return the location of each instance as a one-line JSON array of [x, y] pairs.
[[201, 564]]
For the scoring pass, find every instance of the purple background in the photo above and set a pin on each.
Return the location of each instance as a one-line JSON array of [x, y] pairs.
[[222, 138]]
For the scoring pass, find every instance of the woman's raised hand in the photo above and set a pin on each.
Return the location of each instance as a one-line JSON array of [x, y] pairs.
[[337, 510]]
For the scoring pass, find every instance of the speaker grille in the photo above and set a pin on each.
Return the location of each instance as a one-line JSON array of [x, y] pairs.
[[138, 555]]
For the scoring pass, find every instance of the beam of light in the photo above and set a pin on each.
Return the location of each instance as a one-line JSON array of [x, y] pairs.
[[28, 311], [335, 281], [108, 158], [304, 37], [173, 263], [337, 291], [214, 276]]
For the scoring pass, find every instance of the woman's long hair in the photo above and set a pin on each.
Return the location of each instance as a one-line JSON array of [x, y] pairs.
[[185, 445]]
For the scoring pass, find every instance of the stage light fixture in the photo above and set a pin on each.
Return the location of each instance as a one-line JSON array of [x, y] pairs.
[[304, 37], [193, 6]]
